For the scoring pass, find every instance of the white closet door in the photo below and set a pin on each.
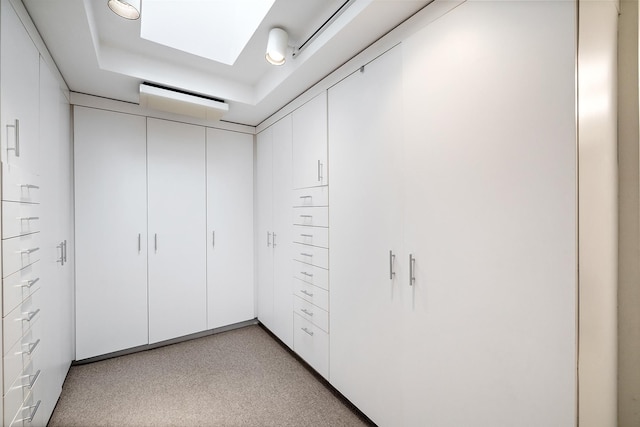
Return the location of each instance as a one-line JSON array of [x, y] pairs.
[[177, 229], [365, 218], [491, 216], [283, 229], [264, 227], [309, 127], [111, 221], [230, 286]]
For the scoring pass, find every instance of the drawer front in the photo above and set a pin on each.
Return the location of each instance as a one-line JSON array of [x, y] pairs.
[[18, 286], [18, 322], [313, 294], [314, 236], [20, 355], [19, 252], [312, 313], [19, 219], [29, 413], [315, 196], [312, 344], [311, 255], [314, 217], [19, 185], [311, 274]]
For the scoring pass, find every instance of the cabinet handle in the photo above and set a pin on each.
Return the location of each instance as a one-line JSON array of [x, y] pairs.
[[274, 240], [61, 259], [28, 251], [306, 274], [27, 218], [213, 239], [16, 126], [139, 242], [412, 270], [307, 235], [29, 283], [320, 171], [309, 294], [307, 331], [307, 312], [32, 382], [30, 315], [32, 415], [268, 239], [30, 348], [29, 186], [306, 216], [155, 242], [306, 197], [65, 250], [392, 258], [305, 254]]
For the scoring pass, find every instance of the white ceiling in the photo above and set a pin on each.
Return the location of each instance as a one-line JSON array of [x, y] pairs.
[[101, 54]]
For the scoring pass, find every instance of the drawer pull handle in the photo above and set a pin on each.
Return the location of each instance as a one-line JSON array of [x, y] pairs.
[[308, 331], [28, 251], [309, 294], [306, 197], [307, 235], [306, 274], [29, 186], [32, 382], [29, 283], [274, 240], [412, 270], [16, 127], [30, 348], [268, 239], [305, 254], [306, 216], [30, 315], [33, 413], [392, 258], [307, 312], [27, 218]]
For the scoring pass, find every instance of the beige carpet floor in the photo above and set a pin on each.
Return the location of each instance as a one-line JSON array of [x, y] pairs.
[[236, 378]]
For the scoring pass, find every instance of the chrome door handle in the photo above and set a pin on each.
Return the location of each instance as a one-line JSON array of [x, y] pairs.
[[29, 186], [320, 177], [304, 291], [305, 254], [31, 382], [412, 270], [307, 235], [213, 239], [306, 197], [33, 414], [29, 283], [139, 242], [61, 259], [306, 274], [27, 218], [274, 240], [16, 127], [307, 331], [65, 250], [30, 315], [30, 348], [306, 216], [307, 312], [155, 242], [268, 239], [392, 258]]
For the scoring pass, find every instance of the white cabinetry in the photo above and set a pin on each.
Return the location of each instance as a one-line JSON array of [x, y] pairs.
[[230, 285], [177, 226], [274, 233], [309, 133], [111, 231], [472, 176]]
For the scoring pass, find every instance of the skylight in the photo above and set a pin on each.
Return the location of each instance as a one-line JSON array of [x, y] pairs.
[[214, 29]]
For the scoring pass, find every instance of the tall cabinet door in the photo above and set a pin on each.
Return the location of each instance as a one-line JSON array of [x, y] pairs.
[[230, 287], [264, 228], [282, 229], [177, 229], [491, 217], [367, 269], [111, 223], [310, 143]]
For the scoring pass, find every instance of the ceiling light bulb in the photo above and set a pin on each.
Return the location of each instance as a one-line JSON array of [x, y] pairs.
[[129, 9], [277, 46]]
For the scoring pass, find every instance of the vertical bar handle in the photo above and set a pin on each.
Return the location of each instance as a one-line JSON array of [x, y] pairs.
[[139, 242], [155, 242], [274, 240], [61, 259], [268, 239], [392, 258], [16, 148], [65, 251], [320, 175], [412, 270], [213, 239]]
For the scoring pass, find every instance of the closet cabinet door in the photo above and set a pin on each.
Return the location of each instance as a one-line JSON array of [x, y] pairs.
[[111, 226], [309, 124], [264, 232], [230, 228], [366, 283], [177, 229], [19, 77]]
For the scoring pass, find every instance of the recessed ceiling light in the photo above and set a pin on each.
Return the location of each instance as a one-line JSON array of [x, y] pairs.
[[129, 9]]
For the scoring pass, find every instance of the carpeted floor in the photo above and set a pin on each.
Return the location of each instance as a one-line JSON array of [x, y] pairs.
[[236, 378]]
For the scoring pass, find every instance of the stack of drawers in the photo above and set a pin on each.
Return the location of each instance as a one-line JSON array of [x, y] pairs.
[[20, 302], [311, 276]]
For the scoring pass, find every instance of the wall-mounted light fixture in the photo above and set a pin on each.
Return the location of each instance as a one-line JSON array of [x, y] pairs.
[[277, 46], [128, 9]]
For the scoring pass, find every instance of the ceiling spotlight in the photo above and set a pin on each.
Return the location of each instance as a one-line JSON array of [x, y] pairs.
[[277, 46], [128, 9]]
